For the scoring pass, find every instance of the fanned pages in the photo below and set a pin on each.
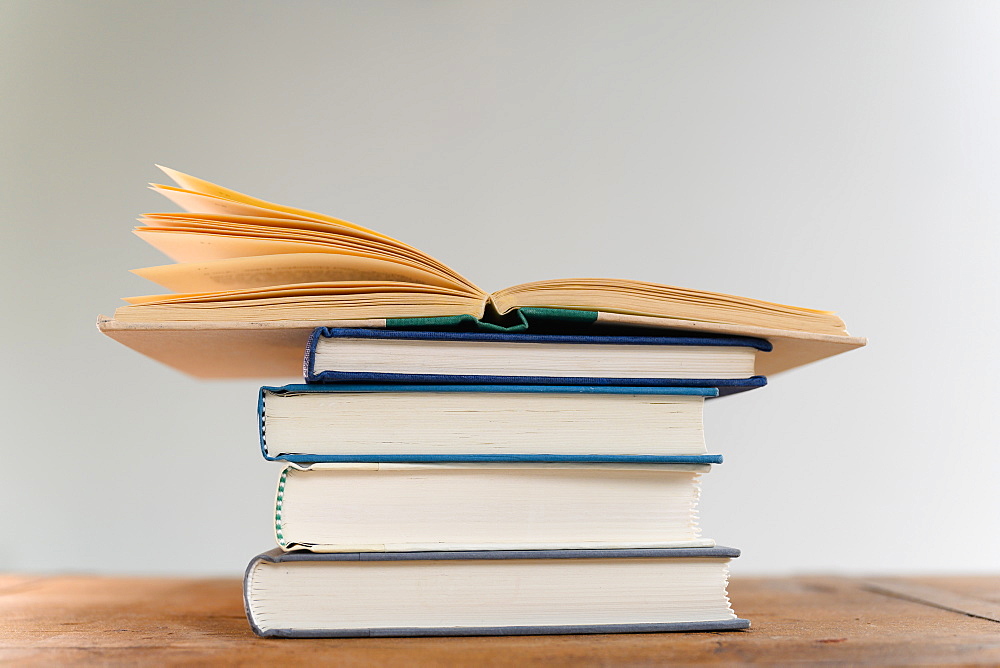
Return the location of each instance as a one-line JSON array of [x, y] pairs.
[[245, 263]]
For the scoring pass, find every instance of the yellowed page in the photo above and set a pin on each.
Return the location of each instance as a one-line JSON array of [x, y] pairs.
[[263, 232], [318, 302], [182, 246], [204, 187], [260, 271], [374, 246], [319, 312], [197, 203], [231, 204], [364, 289], [205, 200], [194, 247], [655, 300], [188, 218], [332, 241]]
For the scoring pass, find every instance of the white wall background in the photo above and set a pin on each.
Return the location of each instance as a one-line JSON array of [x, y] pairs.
[[833, 155]]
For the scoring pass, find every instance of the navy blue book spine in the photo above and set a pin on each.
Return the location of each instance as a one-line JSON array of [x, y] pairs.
[[726, 385]]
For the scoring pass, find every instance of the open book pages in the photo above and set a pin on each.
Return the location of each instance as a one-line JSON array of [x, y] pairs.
[[244, 263]]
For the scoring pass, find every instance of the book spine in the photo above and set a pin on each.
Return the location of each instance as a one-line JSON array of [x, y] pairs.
[[515, 458], [496, 388], [279, 500], [309, 361], [724, 385], [261, 426]]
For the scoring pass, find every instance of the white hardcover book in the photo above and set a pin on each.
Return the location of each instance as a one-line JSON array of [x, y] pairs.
[[420, 507], [309, 423], [307, 595]]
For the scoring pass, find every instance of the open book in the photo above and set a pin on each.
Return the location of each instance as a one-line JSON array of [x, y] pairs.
[[252, 278]]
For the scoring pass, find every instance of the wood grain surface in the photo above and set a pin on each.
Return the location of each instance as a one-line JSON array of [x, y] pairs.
[[158, 621]]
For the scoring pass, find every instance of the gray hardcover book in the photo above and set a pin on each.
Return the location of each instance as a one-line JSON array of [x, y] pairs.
[[503, 592]]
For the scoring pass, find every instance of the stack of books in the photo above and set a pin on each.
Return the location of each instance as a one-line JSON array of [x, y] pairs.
[[457, 461], [443, 483]]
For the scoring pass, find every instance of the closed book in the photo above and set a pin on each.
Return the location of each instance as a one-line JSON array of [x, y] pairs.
[[384, 355], [477, 506], [307, 595], [531, 423]]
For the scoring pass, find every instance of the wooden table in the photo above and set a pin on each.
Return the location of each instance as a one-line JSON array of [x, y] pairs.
[[904, 621]]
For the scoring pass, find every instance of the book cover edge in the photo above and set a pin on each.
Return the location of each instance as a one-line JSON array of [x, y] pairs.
[[716, 340], [277, 555], [734, 624], [486, 388]]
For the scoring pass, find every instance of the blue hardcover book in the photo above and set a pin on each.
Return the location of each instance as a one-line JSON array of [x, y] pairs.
[[531, 592], [336, 355], [483, 423]]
